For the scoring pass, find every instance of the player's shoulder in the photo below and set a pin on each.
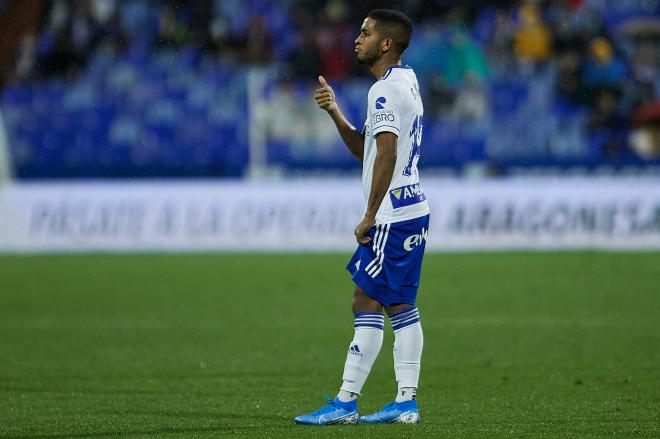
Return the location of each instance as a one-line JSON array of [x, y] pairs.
[[392, 80], [396, 73]]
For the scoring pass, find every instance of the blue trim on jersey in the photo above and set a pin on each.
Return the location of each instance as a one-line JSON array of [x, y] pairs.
[[389, 70]]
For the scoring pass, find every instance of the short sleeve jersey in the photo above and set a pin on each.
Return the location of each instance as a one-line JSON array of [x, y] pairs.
[[395, 106]]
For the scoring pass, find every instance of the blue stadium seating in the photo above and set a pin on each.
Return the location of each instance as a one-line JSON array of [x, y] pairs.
[[177, 112]]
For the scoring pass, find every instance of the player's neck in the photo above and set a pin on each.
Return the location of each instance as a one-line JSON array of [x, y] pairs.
[[379, 68]]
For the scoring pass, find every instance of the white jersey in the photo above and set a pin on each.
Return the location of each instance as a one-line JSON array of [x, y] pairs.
[[395, 106]]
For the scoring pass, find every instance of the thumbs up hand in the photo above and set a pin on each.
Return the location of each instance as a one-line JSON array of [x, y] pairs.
[[325, 96]]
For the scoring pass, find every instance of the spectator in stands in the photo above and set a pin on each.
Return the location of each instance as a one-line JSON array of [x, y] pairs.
[[532, 41], [108, 32], [82, 30], [220, 42], [645, 137], [171, 31], [26, 59], [471, 103], [62, 60], [335, 41], [428, 53], [70, 39], [608, 130], [200, 16], [464, 57], [257, 42], [448, 55], [499, 48], [440, 98], [645, 69], [304, 60], [569, 74], [602, 68], [573, 25]]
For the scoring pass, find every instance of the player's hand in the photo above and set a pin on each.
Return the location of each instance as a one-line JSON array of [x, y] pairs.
[[325, 96], [362, 229]]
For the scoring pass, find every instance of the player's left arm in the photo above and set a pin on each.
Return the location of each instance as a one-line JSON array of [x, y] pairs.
[[380, 183]]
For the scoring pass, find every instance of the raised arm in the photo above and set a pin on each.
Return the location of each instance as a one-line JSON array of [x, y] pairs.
[[354, 140]]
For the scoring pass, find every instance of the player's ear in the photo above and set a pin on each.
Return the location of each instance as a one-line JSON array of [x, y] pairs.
[[386, 45]]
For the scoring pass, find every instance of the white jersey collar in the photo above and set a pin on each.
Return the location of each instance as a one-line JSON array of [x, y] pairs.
[[389, 70]]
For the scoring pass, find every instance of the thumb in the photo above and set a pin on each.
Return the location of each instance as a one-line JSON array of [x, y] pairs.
[[322, 81]]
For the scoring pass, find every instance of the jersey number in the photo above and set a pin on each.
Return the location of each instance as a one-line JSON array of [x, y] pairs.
[[416, 135]]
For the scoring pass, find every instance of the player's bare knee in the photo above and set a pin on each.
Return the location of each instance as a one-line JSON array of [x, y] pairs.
[[362, 302]]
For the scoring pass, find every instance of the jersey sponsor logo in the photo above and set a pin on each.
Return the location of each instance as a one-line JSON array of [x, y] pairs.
[[415, 240], [406, 195], [383, 117]]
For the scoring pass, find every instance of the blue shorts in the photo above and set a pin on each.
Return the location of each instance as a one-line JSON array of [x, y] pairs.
[[389, 266]]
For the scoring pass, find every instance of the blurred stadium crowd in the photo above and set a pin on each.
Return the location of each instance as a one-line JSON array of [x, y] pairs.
[[102, 88]]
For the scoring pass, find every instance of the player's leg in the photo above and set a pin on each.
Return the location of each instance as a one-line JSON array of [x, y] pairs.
[[365, 346], [408, 345], [362, 352], [403, 268]]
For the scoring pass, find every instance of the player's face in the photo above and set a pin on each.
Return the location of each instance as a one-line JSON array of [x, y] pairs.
[[367, 44]]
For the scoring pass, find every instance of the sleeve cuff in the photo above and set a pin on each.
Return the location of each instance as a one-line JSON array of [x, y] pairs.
[[385, 129]]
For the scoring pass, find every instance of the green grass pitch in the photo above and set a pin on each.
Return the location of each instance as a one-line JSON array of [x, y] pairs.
[[538, 345]]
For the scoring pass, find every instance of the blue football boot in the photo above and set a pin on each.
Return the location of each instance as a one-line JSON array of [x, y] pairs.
[[335, 412], [397, 412]]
